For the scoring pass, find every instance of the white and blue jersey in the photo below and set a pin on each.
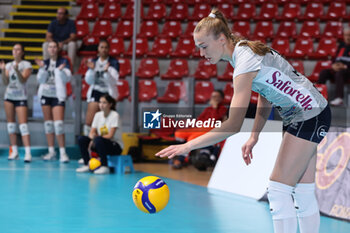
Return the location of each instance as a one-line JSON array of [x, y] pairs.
[[53, 80], [101, 80], [16, 90], [291, 93]]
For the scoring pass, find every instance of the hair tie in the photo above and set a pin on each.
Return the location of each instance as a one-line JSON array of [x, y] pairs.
[[212, 15]]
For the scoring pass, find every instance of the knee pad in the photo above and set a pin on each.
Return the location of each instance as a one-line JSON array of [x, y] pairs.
[[11, 127], [48, 126], [86, 130], [305, 200], [281, 201], [23, 128], [59, 127]]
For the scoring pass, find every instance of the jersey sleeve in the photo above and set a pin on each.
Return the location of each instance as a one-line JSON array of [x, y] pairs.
[[95, 121], [8, 65], [246, 61], [115, 122], [27, 65]]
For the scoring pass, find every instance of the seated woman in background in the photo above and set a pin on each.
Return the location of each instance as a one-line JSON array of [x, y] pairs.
[[15, 75], [216, 111], [104, 137], [53, 75]]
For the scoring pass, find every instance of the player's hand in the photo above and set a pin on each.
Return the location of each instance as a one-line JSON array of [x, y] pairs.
[[39, 62], [60, 45], [90, 64], [174, 150], [60, 67], [2, 65], [247, 150], [106, 67]]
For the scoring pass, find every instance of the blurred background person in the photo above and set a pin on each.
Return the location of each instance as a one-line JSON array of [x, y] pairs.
[[105, 137], [15, 75], [53, 75], [62, 30]]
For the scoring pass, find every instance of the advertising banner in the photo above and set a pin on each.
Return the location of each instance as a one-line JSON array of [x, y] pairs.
[[333, 174]]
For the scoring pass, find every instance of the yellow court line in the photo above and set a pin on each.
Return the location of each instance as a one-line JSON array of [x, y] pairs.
[[18, 39], [33, 14], [39, 7], [20, 30], [26, 49], [16, 21]]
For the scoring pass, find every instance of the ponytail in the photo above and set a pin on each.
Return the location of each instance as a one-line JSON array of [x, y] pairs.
[[216, 23]]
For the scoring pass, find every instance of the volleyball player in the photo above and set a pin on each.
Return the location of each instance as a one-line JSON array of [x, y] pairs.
[[15, 75], [305, 113], [53, 75], [102, 76]]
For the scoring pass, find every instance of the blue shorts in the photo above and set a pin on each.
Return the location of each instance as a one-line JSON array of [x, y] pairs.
[[314, 129], [18, 103], [96, 95], [51, 101]]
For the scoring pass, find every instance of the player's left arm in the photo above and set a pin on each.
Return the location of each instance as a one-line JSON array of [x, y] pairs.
[[262, 113], [112, 73], [24, 75], [111, 133]]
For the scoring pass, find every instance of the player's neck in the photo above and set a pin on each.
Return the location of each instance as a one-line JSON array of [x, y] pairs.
[[103, 58], [228, 50], [106, 112], [53, 58]]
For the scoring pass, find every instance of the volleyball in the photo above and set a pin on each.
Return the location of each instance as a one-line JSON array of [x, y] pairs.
[[94, 164], [151, 194]]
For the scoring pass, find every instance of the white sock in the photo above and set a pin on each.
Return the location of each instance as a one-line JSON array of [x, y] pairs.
[[51, 149], [62, 150], [287, 225], [307, 208], [309, 224], [282, 207], [27, 150], [14, 149]]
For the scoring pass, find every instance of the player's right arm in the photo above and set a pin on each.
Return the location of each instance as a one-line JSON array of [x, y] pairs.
[[4, 73], [261, 116], [238, 109]]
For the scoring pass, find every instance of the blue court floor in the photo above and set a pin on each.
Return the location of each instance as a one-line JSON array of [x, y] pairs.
[[50, 197]]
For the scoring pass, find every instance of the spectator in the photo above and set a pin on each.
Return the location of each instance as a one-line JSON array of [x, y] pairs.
[[102, 76], [340, 71], [216, 110], [53, 75], [62, 30], [104, 137], [15, 75]]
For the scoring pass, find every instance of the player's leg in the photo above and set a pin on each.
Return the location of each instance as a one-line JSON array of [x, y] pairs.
[[292, 161], [92, 108], [58, 116], [49, 130], [295, 166], [11, 128], [22, 115], [305, 200]]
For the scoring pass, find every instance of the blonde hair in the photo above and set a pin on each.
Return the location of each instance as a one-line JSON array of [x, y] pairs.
[[216, 24]]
